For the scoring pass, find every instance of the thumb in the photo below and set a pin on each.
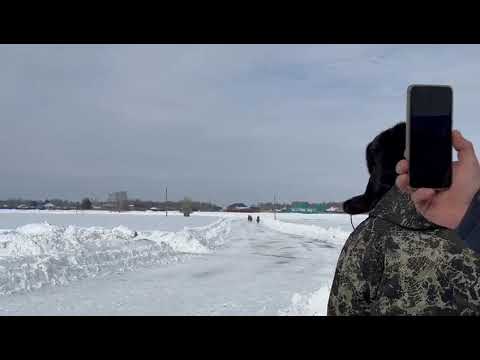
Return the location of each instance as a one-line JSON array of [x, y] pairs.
[[464, 148]]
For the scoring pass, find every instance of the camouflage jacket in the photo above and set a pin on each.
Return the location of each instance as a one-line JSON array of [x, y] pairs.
[[398, 263]]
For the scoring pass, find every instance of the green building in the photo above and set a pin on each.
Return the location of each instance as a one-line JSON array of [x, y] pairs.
[[305, 207]]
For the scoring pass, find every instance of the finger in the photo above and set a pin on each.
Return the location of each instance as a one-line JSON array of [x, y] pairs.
[[423, 194], [422, 206], [455, 165], [465, 149], [402, 167], [403, 183], [422, 198]]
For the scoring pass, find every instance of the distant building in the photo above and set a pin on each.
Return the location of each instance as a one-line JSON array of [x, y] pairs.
[[300, 204], [118, 201], [305, 207], [241, 207], [49, 206], [300, 207], [237, 206], [117, 196], [334, 209]]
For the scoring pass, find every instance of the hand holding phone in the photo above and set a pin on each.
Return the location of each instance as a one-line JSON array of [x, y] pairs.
[[446, 208], [429, 136]]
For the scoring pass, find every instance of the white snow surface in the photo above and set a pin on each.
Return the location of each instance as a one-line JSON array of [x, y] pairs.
[[311, 304], [134, 220], [227, 267], [332, 234], [36, 255]]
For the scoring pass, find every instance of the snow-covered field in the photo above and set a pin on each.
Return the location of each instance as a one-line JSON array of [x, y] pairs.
[[146, 263], [139, 221]]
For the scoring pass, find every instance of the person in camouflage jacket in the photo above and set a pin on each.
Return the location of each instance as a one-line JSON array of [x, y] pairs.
[[398, 263]]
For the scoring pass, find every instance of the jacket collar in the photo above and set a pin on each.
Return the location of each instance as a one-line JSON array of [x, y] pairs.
[[397, 207]]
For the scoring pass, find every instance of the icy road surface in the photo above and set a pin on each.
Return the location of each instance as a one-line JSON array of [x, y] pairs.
[[230, 267]]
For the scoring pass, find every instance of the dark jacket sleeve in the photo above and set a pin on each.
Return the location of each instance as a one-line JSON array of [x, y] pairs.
[[463, 273], [469, 227], [352, 286]]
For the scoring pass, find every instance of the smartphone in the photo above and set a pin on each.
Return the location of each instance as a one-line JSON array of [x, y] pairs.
[[429, 136]]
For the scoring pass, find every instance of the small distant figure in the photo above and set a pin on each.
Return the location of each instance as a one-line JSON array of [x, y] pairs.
[[250, 219], [135, 234], [258, 219]]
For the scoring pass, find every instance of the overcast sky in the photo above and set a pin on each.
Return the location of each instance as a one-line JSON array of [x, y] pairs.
[[220, 123]]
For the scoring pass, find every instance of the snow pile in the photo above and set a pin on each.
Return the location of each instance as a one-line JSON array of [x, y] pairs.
[[314, 304], [36, 255], [46, 239], [334, 235], [198, 240]]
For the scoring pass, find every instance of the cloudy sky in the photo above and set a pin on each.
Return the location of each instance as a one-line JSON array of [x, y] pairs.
[[221, 123]]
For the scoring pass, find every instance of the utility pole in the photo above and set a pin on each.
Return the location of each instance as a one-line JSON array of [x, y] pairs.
[[274, 208], [166, 199]]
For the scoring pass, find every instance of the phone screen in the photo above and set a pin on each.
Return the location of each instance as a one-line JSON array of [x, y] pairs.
[[430, 136]]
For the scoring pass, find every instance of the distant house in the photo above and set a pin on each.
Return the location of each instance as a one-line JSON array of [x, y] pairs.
[[237, 206], [241, 207], [49, 206], [305, 207], [334, 209], [300, 204], [300, 207]]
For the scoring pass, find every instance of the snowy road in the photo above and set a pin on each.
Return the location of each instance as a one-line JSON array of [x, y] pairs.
[[257, 272]]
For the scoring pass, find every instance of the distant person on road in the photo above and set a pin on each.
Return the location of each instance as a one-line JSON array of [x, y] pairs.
[[250, 219], [258, 219], [397, 262]]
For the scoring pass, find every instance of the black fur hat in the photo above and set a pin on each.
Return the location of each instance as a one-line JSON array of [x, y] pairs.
[[382, 155]]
